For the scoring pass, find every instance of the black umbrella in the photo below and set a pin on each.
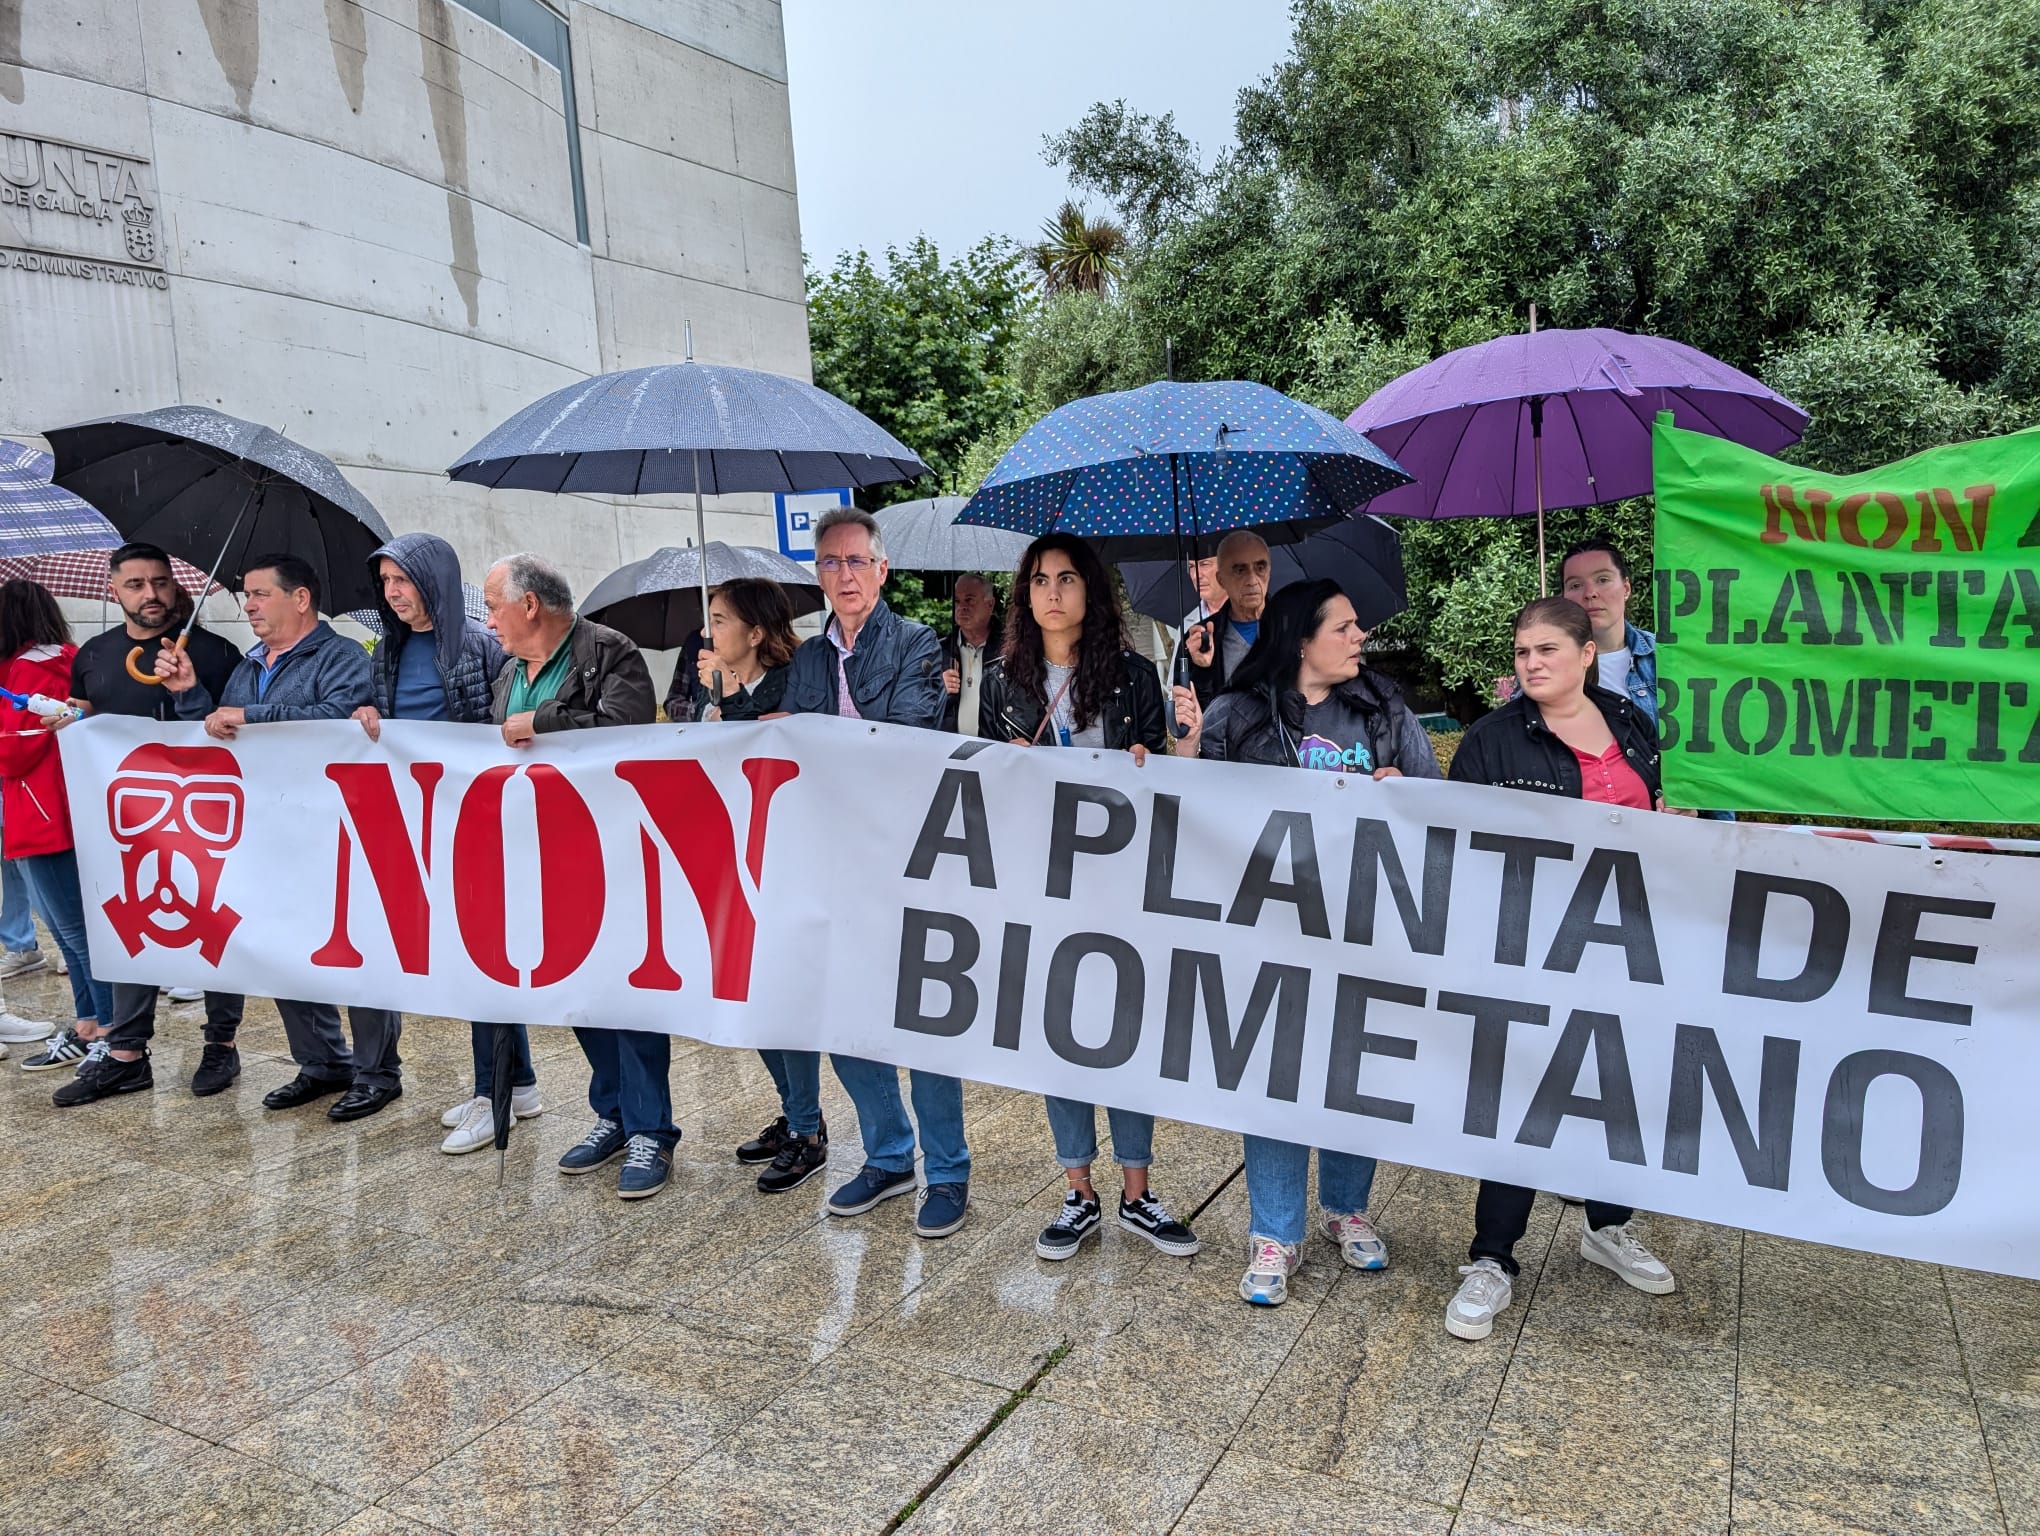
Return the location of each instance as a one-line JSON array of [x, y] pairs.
[[925, 536], [213, 490], [502, 1057], [1362, 554], [656, 601]]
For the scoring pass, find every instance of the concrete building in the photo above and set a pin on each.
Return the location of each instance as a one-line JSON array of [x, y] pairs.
[[382, 226]]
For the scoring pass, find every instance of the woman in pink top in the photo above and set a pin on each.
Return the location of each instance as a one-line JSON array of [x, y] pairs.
[[1562, 734]]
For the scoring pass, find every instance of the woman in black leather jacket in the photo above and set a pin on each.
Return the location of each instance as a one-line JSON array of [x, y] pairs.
[[1302, 698], [1067, 678]]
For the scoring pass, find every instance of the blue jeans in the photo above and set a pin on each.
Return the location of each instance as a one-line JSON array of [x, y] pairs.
[[874, 1088], [1075, 1128], [629, 1084], [53, 878], [17, 918], [798, 1077], [483, 1038], [1278, 1184]]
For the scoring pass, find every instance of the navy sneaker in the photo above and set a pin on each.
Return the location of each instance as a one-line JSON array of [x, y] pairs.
[[596, 1148], [942, 1210], [869, 1187], [647, 1163]]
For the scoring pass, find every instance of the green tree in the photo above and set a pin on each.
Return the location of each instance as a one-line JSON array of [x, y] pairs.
[[1080, 254]]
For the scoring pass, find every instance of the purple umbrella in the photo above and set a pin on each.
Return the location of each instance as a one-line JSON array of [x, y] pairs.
[[1552, 419]]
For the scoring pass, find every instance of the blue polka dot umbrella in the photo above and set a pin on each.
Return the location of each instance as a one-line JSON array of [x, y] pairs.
[[1142, 471]]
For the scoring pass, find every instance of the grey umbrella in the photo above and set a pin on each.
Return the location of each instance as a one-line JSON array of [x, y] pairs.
[[925, 536], [688, 426], [657, 600]]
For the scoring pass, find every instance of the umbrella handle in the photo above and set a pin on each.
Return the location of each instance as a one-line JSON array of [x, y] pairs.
[[138, 674]]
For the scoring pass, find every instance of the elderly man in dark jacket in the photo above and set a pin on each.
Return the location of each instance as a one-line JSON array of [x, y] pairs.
[[436, 663], [870, 664], [565, 674], [299, 669]]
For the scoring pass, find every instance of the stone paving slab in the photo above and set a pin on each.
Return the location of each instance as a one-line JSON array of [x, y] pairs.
[[213, 1318]]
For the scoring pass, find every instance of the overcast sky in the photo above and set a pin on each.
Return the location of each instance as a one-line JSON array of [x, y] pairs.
[[926, 116]]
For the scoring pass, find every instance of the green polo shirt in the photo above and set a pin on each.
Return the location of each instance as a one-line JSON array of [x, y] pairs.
[[526, 692]]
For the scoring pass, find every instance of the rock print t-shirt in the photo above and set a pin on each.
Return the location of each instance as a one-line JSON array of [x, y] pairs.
[[1334, 740]]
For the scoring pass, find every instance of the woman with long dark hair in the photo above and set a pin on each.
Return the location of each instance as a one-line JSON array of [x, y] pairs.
[[750, 641], [1303, 698], [1562, 734], [1068, 679], [35, 822]]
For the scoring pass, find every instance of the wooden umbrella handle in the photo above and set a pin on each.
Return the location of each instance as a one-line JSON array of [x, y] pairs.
[[138, 674]]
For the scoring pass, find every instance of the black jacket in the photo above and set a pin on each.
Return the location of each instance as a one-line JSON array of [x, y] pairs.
[[1242, 727], [952, 656], [608, 684], [765, 699], [1132, 714], [465, 651], [895, 673], [1207, 682], [1514, 749]]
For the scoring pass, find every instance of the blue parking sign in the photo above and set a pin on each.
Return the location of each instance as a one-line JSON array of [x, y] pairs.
[[797, 515]]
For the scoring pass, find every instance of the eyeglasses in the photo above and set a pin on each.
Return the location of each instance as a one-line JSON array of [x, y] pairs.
[[856, 565]]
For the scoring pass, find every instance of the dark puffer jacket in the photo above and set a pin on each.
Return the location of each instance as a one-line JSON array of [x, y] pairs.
[[895, 673], [1244, 727], [1514, 749], [468, 656], [766, 697], [1133, 713]]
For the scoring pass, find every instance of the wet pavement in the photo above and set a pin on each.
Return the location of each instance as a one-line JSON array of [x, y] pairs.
[[216, 1319]]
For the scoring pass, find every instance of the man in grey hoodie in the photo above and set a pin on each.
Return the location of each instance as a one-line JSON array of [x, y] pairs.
[[299, 669], [435, 663]]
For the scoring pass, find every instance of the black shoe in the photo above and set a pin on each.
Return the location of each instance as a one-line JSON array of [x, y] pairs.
[[304, 1088], [765, 1146], [361, 1101], [217, 1070], [102, 1079], [799, 1160], [1077, 1220]]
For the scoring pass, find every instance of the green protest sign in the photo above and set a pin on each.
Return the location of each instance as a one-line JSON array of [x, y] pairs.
[[1850, 645]]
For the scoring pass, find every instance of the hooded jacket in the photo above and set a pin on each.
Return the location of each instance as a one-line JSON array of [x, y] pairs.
[[895, 673], [1243, 727], [467, 655], [1132, 714], [323, 677], [1514, 749], [33, 806]]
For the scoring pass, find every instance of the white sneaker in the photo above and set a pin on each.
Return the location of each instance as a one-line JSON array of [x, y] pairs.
[[185, 994], [525, 1104], [1616, 1248], [1486, 1290], [14, 1027], [1358, 1243], [1269, 1266], [475, 1130], [3, 1053], [19, 962]]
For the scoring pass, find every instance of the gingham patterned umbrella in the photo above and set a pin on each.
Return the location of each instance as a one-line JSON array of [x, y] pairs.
[[81, 573], [37, 518]]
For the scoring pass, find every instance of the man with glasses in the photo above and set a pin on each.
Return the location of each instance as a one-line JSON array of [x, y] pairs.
[[870, 664]]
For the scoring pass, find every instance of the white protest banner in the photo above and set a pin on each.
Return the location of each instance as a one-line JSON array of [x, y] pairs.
[[1824, 1040]]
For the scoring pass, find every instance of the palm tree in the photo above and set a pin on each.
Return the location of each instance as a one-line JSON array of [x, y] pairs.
[[1080, 254]]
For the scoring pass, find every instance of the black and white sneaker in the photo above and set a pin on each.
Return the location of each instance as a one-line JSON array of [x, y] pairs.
[[798, 1161], [1077, 1220], [1151, 1219], [60, 1050]]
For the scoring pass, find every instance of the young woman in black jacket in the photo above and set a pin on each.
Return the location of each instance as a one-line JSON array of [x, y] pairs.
[[750, 642], [1067, 678], [1302, 698], [1563, 734]]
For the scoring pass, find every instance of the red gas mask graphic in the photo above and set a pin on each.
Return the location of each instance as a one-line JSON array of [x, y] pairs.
[[174, 811]]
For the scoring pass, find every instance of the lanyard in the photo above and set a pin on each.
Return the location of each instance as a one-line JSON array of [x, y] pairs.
[[1062, 731]]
